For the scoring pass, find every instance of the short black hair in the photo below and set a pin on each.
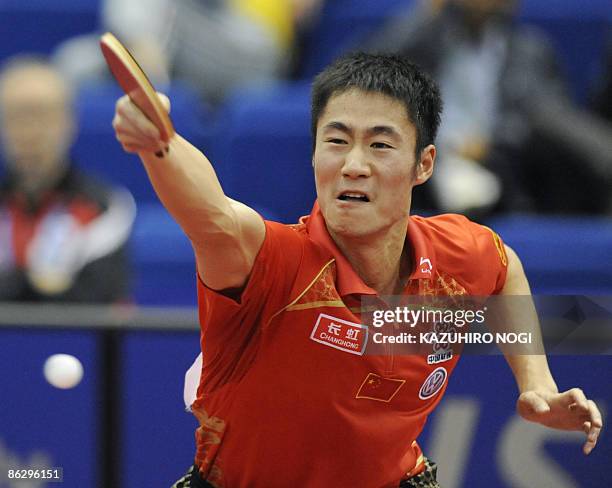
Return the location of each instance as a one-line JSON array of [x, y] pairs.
[[391, 75]]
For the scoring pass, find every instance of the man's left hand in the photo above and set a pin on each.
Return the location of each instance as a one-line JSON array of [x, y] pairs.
[[569, 410]]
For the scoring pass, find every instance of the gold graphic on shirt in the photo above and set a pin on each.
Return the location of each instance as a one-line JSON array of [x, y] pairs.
[[324, 289], [443, 284], [501, 250], [306, 306], [322, 272], [209, 436]]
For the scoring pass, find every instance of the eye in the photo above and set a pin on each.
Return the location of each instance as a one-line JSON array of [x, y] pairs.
[[381, 145], [336, 141]]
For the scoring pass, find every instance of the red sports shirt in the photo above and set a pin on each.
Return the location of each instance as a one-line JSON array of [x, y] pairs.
[[286, 397]]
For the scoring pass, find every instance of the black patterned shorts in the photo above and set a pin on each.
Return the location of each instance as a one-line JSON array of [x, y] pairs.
[[427, 479], [192, 480]]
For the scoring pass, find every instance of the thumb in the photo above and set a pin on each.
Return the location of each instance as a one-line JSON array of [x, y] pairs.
[[165, 101], [530, 404]]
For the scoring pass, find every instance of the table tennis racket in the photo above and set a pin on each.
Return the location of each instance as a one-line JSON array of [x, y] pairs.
[[134, 82]]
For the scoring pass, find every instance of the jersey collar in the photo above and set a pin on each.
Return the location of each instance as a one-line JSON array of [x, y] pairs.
[[348, 281]]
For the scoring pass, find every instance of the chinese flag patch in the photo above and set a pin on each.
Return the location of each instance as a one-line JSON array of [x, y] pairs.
[[379, 388]]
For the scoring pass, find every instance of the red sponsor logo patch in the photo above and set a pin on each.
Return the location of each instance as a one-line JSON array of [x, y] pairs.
[[340, 334]]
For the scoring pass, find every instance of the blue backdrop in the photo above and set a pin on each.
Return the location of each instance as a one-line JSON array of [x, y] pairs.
[[474, 431]]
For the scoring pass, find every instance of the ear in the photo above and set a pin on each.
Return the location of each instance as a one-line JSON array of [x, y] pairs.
[[425, 165]]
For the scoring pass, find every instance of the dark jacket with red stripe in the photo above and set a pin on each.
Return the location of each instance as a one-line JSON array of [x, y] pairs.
[[69, 245]]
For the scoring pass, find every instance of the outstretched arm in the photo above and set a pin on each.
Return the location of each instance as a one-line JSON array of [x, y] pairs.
[[226, 235], [540, 400]]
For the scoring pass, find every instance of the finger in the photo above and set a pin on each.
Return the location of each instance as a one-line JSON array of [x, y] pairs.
[[586, 427], [124, 128], [138, 144], [591, 440], [575, 399], [165, 101], [596, 418], [139, 141], [131, 148], [125, 125], [130, 115], [593, 428], [138, 148]]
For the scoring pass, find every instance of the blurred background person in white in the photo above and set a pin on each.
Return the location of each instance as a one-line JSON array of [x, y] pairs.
[[214, 45]]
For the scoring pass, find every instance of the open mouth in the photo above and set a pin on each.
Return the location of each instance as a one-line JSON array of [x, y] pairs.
[[353, 197]]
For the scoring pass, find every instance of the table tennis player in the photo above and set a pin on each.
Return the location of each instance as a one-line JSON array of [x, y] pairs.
[[276, 407]]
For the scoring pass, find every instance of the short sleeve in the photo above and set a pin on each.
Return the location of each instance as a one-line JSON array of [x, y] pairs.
[[230, 328], [471, 253], [485, 262], [492, 256]]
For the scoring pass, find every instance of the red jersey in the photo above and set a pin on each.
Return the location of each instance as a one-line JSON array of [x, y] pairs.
[[284, 402]]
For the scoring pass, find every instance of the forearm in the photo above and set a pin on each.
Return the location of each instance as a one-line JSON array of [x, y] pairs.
[[187, 185], [226, 235], [531, 373], [516, 312]]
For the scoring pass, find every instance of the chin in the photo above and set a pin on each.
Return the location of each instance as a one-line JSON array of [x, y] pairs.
[[351, 227]]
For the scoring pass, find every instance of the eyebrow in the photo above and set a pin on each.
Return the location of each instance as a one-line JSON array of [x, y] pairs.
[[376, 130]]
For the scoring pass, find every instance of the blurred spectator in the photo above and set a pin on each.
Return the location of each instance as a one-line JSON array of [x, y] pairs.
[[62, 235], [602, 102], [511, 139], [214, 45]]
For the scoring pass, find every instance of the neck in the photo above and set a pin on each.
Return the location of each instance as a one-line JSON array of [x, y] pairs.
[[35, 191], [383, 262]]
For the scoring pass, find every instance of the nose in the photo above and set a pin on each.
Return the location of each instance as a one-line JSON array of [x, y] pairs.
[[355, 165]]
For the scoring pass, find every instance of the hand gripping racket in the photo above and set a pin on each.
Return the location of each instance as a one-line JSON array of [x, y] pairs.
[[134, 82]]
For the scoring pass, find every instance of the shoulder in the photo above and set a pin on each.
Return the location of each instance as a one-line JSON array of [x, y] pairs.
[[452, 231], [293, 239], [472, 253], [286, 260], [289, 258]]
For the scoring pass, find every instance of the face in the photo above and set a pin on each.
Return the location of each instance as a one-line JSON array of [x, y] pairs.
[[36, 125], [364, 163]]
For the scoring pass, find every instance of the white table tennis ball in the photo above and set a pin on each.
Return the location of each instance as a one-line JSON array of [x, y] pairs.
[[63, 371]]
